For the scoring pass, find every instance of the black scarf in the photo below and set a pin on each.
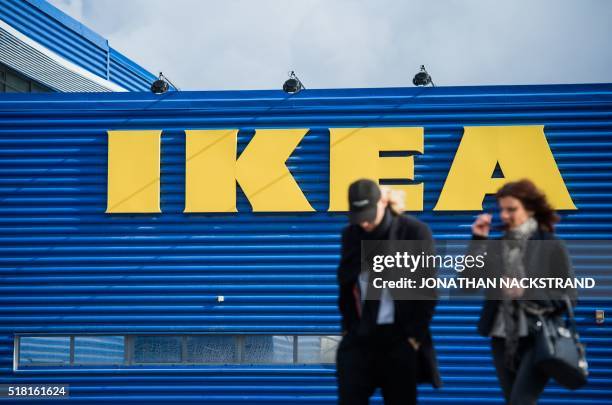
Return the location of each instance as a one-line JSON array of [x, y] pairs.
[[514, 245], [381, 232]]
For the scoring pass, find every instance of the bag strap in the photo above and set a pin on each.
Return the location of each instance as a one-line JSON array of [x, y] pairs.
[[570, 316], [570, 308]]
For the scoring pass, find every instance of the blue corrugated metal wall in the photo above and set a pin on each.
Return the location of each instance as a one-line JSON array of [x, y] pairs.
[[68, 38], [68, 267], [128, 74]]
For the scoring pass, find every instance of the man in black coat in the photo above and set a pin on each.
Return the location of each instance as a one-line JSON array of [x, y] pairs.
[[386, 342]]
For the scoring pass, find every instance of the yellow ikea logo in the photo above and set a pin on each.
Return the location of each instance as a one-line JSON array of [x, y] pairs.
[[212, 168]]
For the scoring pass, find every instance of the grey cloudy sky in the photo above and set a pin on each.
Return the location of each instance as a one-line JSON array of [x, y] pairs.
[[252, 44]]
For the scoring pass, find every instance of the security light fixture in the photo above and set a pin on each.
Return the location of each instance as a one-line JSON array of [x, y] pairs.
[[162, 84], [422, 78], [293, 84]]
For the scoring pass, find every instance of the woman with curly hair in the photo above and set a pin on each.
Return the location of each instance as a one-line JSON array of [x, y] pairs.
[[507, 316]]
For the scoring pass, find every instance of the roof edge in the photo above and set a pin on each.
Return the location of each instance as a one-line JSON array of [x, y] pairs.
[[70, 22]]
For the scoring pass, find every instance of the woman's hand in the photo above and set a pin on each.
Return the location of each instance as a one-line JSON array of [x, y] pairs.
[[414, 343], [482, 225]]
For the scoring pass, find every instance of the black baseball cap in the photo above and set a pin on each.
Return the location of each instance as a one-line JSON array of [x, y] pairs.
[[363, 198]]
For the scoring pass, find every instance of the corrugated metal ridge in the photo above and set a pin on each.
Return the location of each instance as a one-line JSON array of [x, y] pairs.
[[40, 67], [136, 78], [484, 95], [69, 22], [48, 32], [61, 34]]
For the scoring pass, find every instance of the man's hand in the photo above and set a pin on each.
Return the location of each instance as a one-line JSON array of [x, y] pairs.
[[414, 343]]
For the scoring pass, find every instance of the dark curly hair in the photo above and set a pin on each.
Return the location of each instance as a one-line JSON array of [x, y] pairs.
[[533, 200]]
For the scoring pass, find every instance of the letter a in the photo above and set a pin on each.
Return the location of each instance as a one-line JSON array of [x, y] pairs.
[[520, 151]]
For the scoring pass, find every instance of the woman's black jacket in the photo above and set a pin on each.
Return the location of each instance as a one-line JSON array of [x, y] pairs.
[[412, 317], [545, 256]]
